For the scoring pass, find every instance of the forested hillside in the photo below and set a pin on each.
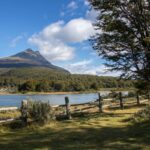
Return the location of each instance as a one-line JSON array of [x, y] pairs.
[[44, 79]]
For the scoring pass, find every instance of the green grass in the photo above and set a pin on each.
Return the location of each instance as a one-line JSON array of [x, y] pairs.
[[111, 130], [9, 114]]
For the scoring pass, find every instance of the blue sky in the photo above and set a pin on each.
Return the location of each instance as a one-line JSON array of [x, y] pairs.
[[59, 29]]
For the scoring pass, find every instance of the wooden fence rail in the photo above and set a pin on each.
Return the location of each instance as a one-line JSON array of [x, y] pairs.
[[100, 103]]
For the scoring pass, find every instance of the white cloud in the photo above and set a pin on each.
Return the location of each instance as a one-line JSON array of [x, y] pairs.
[[86, 67], [72, 5], [81, 64], [53, 41], [77, 30], [16, 40]]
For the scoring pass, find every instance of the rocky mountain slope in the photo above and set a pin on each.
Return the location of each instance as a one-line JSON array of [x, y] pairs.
[[28, 58]]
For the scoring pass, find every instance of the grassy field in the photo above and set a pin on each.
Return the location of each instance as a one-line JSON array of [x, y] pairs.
[[112, 130], [9, 114]]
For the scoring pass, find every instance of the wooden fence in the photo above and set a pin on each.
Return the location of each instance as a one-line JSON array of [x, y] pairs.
[[67, 111]]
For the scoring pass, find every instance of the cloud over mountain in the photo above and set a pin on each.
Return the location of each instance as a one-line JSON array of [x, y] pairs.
[[55, 39], [87, 67]]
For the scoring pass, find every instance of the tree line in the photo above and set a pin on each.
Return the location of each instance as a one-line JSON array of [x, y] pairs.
[[60, 82]]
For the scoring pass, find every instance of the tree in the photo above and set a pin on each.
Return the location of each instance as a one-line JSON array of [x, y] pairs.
[[143, 87], [43, 87], [59, 86], [27, 86], [79, 86], [124, 40], [94, 86]]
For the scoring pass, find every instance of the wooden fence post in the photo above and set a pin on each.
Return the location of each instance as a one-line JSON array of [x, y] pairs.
[[68, 108], [121, 100], [24, 113], [100, 103], [138, 98]]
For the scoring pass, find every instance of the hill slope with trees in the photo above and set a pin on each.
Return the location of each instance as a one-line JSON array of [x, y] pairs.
[[44, 80]]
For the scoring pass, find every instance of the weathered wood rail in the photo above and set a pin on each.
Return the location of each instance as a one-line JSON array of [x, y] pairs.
[[7, 120], [70, 109]]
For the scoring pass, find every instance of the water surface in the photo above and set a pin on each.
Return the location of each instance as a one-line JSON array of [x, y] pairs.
[[53, 99]]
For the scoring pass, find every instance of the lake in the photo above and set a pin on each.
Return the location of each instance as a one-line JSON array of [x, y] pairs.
[[53, 99]]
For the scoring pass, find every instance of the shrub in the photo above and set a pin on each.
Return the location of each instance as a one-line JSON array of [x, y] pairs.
[[142, 115], [40, 112], [17, 124]]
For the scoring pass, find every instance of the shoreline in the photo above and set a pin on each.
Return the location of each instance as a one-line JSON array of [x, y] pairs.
[[61, 93], [46, 93]]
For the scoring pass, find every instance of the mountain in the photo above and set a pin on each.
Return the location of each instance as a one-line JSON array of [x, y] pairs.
[[28, 58]]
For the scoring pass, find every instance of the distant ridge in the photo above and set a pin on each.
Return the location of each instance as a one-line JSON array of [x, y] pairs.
[[28, 58]]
